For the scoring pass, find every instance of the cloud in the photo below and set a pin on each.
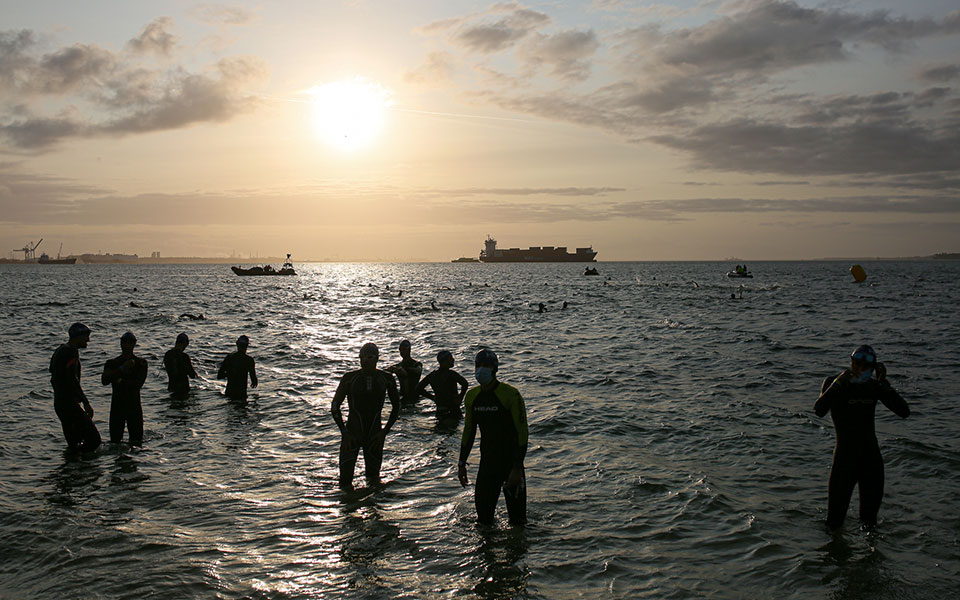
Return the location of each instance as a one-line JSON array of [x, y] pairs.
[[567, 53], [747, 145], [436, 69], [155, 38], [89, 91], [222, 14], [493, 30], [941, 74]]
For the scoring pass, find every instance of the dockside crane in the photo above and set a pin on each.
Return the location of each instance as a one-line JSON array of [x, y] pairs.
[[30, 250]]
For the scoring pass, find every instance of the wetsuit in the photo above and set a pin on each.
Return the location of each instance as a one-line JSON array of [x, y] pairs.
[[365, 395], [125, 409], [856, 456], [78, 428], [408, 372], [502, 418], [179, 369], [447, 385], [235, 368]]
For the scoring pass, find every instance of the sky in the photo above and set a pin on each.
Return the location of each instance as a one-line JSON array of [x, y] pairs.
[[409, 131]]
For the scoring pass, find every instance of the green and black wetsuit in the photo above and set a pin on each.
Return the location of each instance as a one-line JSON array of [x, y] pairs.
[[125, 409], [502, 418], [856, 456], [78, 429]]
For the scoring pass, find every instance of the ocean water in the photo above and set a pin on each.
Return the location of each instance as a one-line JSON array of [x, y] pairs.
[[673, 448]]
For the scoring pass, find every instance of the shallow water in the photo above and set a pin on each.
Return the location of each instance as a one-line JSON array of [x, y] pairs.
[[674, 452]]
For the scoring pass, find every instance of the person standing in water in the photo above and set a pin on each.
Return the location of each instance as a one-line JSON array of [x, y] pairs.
[[499, 412], [364, 391], [77, 422], [408, 372], [179, 367], [126, 374], [449, 388], [236, 367], [851, 399]]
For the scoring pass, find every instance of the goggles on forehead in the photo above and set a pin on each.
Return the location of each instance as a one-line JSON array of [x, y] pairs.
[[865, 357]]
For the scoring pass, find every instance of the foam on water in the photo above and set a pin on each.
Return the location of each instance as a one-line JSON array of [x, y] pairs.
[[674, 452]]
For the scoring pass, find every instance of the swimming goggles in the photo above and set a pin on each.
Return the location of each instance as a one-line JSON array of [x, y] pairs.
[[863, 356]]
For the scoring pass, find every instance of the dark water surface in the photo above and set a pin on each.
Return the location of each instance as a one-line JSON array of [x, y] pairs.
[[674, 452]]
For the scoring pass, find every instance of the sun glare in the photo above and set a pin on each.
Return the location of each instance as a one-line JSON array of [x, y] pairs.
[[350, 114]]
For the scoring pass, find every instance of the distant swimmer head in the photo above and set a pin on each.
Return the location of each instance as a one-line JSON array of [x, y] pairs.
[[243, 341], [128, 338], [183, 339], [78, 330], [369, 350], [445, 357]]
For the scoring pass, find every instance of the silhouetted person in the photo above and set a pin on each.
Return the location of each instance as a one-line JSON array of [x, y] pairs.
[[198, 317], [433, 305], [498, 410], [408, 372], [179, 367], [851, 399], [365, 391], [126, 374], [235, 369], [449, 387], [77, 422], [564, 307], [541, 308]]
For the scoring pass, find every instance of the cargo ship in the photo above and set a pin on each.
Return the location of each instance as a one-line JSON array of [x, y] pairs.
[[490, 253]]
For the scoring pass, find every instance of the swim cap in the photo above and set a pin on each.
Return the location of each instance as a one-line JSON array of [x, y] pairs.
[[865, 353], [128, 337], [183, 339], [369, 349], [444, 355], [487, 357], [78, 330], [243, 341], [405, 343]]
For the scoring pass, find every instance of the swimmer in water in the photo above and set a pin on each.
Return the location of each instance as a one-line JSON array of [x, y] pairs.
[[365, 391], [236, 367], [198, 317], [497, 409], [126, 375], [541, 308], [179, 367], [408, 372], [77, 422], [851, 399], [449, 387]]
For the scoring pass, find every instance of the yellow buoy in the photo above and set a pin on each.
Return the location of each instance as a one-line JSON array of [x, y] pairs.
[[859, 275]]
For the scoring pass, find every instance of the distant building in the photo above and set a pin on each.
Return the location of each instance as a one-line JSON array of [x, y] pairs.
[[155, 255]]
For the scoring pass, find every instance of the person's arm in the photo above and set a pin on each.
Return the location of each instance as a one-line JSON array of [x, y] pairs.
[[829, 390], [112, 371], [889, 396], [190, 370], [466, 442], [139, 374], [394, 404], [170, 365], [338, 398], [464, 386], [253, 373], [222, 373], [519, 413], [422, 387]]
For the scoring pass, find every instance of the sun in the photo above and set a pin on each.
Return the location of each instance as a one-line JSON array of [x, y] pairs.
[[349, 115]]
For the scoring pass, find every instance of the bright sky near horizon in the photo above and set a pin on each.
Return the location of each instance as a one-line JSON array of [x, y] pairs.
[[402, 131]]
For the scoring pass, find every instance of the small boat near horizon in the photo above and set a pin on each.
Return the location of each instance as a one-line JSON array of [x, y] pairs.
[[265, 270]]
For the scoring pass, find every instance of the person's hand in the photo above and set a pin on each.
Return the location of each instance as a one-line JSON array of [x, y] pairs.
[[881, 372], [462, 475], [254, 384]]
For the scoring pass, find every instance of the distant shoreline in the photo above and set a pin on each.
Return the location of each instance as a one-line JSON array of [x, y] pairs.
[[213, 260]]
